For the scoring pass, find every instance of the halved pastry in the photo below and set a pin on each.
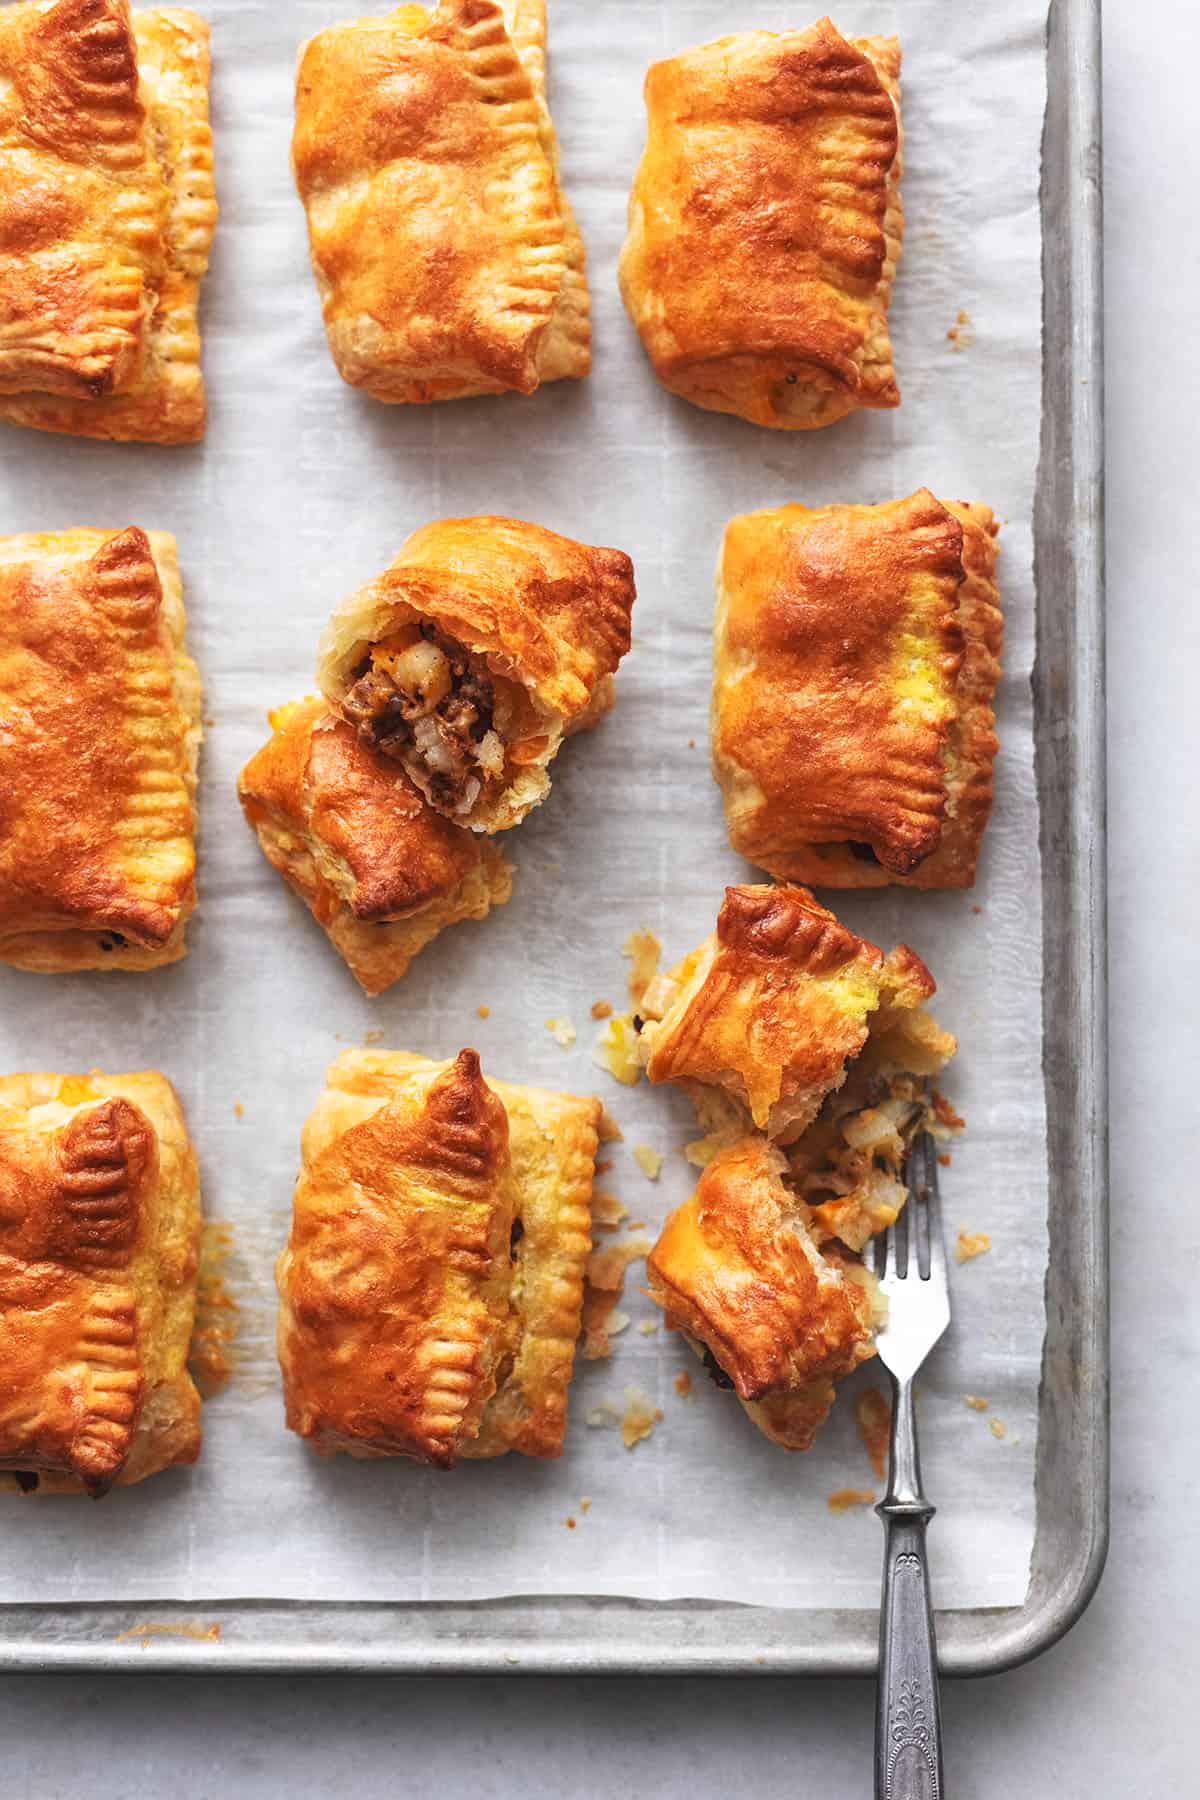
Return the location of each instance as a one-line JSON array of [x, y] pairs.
[[446, 255], [773, 1010], [470, 659], [99, 731], [99, 1243], [765, 225], [774, 1314], [432, 1286], [379, 870], [855, 657], [106, 218]]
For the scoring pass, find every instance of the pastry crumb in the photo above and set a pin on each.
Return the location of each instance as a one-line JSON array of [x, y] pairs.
[[570, 1523], [873, 1416], [683, 1384], [585, 1503], [644, 951], [976, 1402], [483, 1012], [607, 1211], [960, 336], [239, 1109], [945, 1114], [602, 1285], [945, 1159], [977, 908], [846, 1497], [970, 1244], [691, 743], [997, 1427], [562, 1031], [372, 1039], [616, 1050], [648, 1327], [639, 1418], [602, 1009], [610, 1132], [648, 1161]]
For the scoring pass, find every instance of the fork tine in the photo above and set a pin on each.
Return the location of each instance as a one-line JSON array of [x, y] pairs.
[[920, 1184], [901, 1244], [933, 1211]]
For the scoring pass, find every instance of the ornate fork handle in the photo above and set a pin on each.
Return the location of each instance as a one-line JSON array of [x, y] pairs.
[[908, 1731]]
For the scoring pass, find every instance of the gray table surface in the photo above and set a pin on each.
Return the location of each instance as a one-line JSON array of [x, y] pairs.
[[1109, 1711]]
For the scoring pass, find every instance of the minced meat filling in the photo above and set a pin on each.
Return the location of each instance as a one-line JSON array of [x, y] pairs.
[[418, 699]]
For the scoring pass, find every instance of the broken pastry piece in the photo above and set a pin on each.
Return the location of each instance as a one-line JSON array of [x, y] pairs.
[[432, 1286], [775, 1007], [99, 732], [106, 218], [379, 870], [776, 1315], [855, 658], [99, 1244], [765, 225], [470, 659], [447, 258]]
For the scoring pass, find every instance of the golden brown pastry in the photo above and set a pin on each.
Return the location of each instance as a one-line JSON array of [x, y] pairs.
[[432, 1286], [99, 730], [855, 658], [775, 1006], [99, 1241], [738, 1270], [106, 217], [765, 225], [469, 660], [446, 255], [379, 870]]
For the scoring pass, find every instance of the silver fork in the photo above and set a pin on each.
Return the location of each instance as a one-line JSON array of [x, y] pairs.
[[910, 1261]]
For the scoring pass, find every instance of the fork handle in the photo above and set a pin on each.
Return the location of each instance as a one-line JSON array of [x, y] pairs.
[[908, 1723]]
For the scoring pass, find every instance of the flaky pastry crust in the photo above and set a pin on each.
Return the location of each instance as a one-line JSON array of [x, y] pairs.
[[855, 659], [765, 225], [431, 1296], [99, 731], [379, 870], [775, 1005], [542, 619], [106, 217], [99, 1240], [737, 1270], [447, 258]]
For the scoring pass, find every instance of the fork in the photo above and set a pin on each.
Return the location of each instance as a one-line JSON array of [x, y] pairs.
[[910, 1262]]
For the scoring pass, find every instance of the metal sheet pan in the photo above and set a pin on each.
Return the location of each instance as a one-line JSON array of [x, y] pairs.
[[526, 1633]]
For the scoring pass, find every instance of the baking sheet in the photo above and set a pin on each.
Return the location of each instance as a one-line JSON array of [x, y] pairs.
[[303, 490]]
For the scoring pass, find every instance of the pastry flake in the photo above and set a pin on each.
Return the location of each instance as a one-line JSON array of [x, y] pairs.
[[106, 217], [470, 659], [773, 1313], [855, 658], [765, 225], [99, 1243], [379, 870], [432, 1287], [774, 1007], [99, 732], [447, 258]]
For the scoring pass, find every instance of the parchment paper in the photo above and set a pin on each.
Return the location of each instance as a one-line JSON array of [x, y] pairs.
[[305, 489]]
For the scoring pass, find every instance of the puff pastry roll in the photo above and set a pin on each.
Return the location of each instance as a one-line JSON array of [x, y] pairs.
[[773, 1007], [855, 659], [106, 217], [379, 870], [469, 660], [432, 1286], [99, 732], [765, 225], [776, 1316], [99, 1243], [446, 256]]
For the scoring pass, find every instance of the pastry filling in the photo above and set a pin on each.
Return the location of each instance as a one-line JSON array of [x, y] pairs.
[[418, 697], [849, 1165]]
